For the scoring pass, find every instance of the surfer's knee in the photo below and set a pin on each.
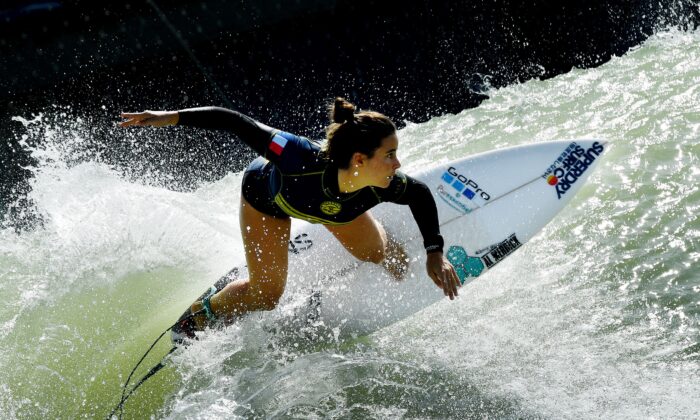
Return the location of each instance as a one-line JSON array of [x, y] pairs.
[[266, 298], [268, 302]]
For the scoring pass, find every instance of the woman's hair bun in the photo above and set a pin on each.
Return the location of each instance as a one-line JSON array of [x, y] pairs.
[[349, 132], [342, 111]]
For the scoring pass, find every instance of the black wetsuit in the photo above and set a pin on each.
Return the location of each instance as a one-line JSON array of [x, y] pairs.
[[291, 178]]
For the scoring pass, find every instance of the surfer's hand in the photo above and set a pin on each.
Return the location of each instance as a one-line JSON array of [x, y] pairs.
[[443, 274], [150, 118]]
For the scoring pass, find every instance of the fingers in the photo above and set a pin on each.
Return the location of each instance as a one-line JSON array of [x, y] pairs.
[[435, 278], [453, 279], [444, 282], [134, 119], [450, 288], [446, 279], [147, 118]]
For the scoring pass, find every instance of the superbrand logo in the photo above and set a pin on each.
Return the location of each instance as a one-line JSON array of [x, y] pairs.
[[463, 185], [570, 165]]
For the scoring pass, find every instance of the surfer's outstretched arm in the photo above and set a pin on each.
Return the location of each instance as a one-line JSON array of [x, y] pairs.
[[253, 133], [149, 118]]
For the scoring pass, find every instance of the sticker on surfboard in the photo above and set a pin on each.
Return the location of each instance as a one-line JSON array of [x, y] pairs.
[[472, 266]]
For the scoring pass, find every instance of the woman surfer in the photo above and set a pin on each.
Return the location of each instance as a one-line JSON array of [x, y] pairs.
[[334, 184]]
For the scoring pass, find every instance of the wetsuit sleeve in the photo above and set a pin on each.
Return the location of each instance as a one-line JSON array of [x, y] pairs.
[[407, 190], [256, 135]]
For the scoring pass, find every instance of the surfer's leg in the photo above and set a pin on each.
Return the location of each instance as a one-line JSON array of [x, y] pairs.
[[367, 240], [396, 261], [266, 242]]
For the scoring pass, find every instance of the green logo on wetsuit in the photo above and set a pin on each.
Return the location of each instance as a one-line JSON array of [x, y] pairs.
[[330, 208]]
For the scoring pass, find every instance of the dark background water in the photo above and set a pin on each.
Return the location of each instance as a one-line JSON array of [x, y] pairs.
[[280, 62]]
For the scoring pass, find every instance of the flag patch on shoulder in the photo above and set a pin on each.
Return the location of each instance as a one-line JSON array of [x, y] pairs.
[[277, 144]]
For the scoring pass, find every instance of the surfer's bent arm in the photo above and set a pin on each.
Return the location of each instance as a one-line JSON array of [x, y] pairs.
[[253, 133], [422, 204]]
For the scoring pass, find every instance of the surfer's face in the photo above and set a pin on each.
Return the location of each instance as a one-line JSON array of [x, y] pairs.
[[382, 166]]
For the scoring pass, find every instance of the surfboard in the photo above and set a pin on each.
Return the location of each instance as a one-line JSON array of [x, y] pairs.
[[489, 205]]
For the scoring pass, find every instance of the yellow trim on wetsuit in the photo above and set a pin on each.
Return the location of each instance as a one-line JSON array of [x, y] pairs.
[[287, 208], [379, 199]]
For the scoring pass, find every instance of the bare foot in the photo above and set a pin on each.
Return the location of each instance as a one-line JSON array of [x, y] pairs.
[[200, 321]]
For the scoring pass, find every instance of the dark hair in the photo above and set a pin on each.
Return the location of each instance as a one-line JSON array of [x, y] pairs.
[[351, 132]]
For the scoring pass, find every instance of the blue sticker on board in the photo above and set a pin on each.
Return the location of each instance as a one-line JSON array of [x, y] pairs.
[[458, 185], [464, 265]]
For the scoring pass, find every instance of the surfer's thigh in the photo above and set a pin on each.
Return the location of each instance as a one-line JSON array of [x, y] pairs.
[[266, 243], [364, 238]]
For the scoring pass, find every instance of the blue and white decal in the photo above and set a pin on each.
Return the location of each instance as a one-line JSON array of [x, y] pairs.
[[463, 185], [452, 201]]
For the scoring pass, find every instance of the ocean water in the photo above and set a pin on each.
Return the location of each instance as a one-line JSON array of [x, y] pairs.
[[596, 317]]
